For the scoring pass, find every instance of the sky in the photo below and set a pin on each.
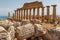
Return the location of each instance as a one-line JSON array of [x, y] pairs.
[[10, 5]]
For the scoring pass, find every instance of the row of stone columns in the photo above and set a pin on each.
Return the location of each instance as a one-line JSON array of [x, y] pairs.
[[19, 15]]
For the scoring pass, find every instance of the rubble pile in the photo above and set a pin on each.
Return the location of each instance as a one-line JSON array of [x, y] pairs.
[[9, 30], [25, 30], [3, 33]]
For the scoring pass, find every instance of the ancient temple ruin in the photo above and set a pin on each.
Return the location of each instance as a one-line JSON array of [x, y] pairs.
[[23, 14]]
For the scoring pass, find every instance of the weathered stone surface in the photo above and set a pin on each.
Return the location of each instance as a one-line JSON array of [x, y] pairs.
[[26, 30], [11, 32], [32, 5], [3, 34], [24, 22]]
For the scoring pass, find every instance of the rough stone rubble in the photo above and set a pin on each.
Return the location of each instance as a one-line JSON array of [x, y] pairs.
[[23, 30]]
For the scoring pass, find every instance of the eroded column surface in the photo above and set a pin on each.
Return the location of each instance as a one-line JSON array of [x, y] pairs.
[[24, 13], [27, 14], [48, 11], [30, 14], [54, 13], [18, 14], [21, 14], [38, 16], [13, 16], [33, 13], [43, 14]]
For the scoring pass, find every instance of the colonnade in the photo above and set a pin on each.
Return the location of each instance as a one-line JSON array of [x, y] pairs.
[[22, 14]]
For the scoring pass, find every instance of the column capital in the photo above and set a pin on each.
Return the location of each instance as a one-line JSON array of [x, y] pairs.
[[14, 10], [33, 8], [17, 10], [29, 8], [38, 7], [54, 5], [47, 6], [43, 7], [26, 9], [20, 8]]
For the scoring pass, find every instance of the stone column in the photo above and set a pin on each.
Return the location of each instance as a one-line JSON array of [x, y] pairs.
[[13, 16], [48, 11], [8, 14], [38, 13], [18, 14], [33, 13], [43, 14], [26, 13], [30, 15], [54, 13], [50, 18], [21, 14]]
